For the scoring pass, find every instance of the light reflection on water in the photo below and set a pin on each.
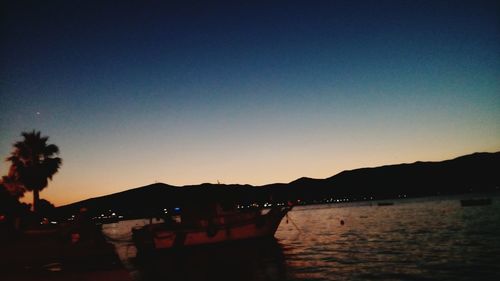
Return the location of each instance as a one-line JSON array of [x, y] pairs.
[[429, 240]]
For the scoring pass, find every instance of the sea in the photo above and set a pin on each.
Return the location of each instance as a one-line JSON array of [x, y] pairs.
[[412, 239]]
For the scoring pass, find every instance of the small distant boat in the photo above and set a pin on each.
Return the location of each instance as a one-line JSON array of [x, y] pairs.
[[475, 202], [220, 226], [385, 203]]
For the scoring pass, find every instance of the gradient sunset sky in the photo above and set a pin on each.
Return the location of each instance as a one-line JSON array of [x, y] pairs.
[[183, 92]]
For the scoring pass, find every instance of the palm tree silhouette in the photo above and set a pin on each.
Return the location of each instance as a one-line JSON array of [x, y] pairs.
[[33, 163]]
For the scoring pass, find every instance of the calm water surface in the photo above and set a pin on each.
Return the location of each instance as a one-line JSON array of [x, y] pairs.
[[410, 240]]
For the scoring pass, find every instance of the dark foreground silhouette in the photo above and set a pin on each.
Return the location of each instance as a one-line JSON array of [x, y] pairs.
[[257, 259], [76, 251]]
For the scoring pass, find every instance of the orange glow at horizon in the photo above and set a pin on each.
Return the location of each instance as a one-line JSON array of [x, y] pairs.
[[69, 187]]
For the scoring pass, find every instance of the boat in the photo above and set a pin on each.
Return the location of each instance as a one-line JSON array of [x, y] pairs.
[[209, 227], [475, 202], [385, 203]]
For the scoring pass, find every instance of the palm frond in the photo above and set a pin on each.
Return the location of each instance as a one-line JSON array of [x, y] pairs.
[[50, 150], [50, 166]]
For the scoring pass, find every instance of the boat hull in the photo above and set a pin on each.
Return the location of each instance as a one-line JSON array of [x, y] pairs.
[[159, 236]]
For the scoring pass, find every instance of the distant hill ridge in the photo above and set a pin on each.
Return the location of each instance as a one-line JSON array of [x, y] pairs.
[[477, 172]]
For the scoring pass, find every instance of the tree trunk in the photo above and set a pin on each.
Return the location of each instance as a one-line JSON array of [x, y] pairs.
[[36, 199]]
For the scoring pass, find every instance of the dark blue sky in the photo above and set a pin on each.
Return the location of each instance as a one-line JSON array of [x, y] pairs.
[[258, 92]]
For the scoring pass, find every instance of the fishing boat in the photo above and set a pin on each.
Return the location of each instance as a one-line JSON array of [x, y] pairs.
[[385, 203], [475, 202], [209, 227]]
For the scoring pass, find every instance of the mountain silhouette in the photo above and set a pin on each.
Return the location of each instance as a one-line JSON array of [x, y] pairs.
[[478, 172]]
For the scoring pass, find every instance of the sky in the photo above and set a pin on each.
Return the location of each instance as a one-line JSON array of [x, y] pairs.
[[257, 92]]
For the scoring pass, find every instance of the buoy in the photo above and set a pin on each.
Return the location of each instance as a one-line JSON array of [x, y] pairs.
[[75, 237]]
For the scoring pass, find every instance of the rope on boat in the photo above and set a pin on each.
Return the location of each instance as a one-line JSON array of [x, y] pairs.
[[288, 218]]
